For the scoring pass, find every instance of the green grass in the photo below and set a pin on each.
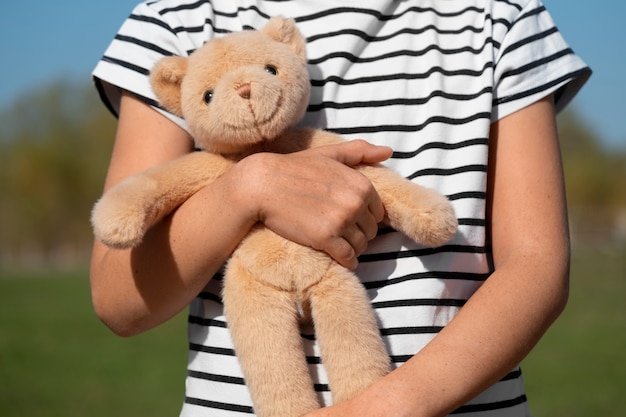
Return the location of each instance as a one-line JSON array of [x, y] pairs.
[[57, 359], [578, 369]]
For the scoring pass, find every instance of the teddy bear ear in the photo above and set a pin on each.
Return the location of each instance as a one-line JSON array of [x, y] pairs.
[[285, 31], [166, 78]]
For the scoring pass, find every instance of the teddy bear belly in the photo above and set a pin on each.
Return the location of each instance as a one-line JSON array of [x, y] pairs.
[[278, 262]]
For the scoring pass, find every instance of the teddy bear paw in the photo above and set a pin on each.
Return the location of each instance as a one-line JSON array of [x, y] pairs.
[[118, 224], [437, 227], [431, 226], [122, 216]]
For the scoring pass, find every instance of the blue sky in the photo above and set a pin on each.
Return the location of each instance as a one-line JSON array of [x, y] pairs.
[[42, 41]]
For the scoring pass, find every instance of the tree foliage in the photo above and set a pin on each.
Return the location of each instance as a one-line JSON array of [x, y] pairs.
[[595, 175], [54, 150], [595, 178], [55, 146]]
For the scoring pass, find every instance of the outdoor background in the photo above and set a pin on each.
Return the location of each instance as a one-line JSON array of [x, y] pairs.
[[57, 359]]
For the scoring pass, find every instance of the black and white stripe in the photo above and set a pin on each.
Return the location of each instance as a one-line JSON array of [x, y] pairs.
[[424, 77]]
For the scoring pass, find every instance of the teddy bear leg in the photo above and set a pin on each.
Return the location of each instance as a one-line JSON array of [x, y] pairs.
[[265, 332], [352, 349]]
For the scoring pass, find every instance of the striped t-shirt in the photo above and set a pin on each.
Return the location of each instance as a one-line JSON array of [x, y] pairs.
[[424, 77]]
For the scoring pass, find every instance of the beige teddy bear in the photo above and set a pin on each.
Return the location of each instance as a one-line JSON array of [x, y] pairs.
[[241, 94]]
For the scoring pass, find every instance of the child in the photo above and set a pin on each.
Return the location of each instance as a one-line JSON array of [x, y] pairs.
[[465, 93]]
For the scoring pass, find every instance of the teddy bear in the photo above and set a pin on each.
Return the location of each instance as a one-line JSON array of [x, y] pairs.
[[244, 93]]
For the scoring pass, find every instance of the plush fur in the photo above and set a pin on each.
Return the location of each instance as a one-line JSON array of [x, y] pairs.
[[241, 94]]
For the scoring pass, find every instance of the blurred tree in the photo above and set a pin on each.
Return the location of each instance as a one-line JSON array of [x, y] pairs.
[[54, 149], [55, 145], [595, 179]]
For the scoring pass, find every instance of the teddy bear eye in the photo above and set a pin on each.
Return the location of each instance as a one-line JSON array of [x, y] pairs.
[[271, 69], [208, 96]]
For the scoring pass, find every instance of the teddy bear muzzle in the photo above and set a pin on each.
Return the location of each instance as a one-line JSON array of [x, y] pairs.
[[243, 90]]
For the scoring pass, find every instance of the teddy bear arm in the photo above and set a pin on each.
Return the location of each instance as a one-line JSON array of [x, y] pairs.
[[123, 215], [421, 213]]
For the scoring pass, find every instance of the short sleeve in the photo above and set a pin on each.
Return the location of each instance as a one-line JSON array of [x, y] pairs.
[[533, 61], [143, 39]]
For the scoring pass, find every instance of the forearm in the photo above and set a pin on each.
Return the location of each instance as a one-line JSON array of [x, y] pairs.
[[134, 290], [137, 289], [527, 226], [491, 334], [502, 321], [528, 233]]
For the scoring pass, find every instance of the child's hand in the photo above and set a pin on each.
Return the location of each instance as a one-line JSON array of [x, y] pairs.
[[316, 198]]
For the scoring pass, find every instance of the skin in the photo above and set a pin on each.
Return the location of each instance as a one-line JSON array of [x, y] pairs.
[[135, 290], [507, 316]]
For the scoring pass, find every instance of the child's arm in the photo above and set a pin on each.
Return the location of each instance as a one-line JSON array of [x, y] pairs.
[[507, 316], [126, 211], [136, 289]]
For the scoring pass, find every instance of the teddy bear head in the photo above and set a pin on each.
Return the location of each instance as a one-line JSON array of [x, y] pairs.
[[240, 90]]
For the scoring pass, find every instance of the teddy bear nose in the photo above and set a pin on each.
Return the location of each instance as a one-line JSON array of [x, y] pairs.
[[243, 90]]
